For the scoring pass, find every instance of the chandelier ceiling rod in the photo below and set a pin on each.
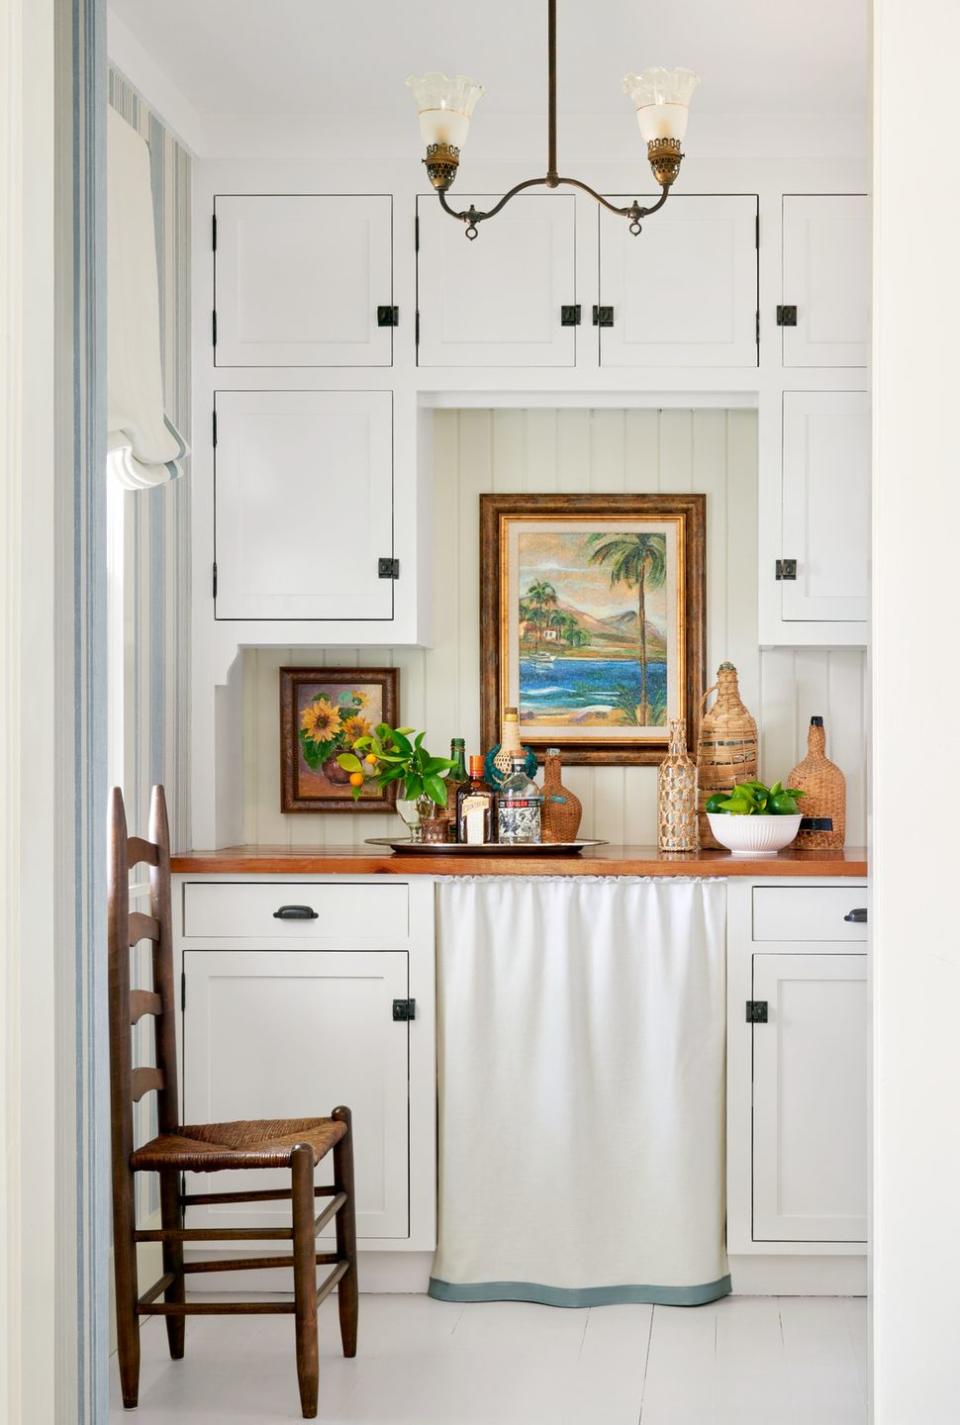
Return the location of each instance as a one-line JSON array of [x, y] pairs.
[[443, 157]]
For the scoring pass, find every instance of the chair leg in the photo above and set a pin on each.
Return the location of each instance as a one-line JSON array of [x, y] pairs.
[[305, 1278], [171, 1216], [346, 1220], [125, 1282]]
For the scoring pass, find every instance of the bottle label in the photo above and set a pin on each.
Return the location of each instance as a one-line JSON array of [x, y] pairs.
[[519, 821], [474, 803]]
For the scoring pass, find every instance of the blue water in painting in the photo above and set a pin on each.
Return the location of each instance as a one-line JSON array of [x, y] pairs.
[[571, 683]]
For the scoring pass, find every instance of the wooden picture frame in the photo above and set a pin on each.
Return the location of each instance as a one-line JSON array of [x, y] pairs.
[[370, 695], [550, 655]]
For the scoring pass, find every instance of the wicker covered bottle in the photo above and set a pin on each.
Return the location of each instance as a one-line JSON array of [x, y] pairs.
[[727, 745], [677, 794], [561, 809], [824, 806]]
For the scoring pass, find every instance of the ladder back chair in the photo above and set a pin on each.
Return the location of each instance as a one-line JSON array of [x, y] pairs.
[[298, 1144]]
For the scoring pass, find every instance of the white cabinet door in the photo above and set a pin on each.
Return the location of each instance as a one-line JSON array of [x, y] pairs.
[[299, 280], [826, 505], [826, 276], [810, 1098], [497, 301], [683, 292], [290, 1034], [304, 504]]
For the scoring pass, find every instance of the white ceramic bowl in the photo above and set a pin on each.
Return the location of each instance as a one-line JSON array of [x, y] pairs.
[[753, 835]]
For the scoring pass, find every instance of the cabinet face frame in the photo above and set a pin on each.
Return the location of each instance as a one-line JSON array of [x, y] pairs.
[[741, 948], [416, 937], [372, 211]]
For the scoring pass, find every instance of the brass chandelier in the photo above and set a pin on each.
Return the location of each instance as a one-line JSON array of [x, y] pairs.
[[661, 98]]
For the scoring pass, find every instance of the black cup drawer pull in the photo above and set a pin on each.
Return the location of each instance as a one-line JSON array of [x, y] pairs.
[[296, 912], [858, 916]]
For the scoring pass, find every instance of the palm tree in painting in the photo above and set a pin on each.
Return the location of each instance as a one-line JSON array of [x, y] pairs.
[[640, 562], [542, 596]]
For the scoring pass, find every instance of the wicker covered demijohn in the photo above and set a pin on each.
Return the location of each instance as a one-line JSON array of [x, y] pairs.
[[726, 747], [560, 818], [824, 805]]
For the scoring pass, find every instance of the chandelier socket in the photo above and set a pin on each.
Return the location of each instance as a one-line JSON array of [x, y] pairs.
[[442, 162], [664, 156]]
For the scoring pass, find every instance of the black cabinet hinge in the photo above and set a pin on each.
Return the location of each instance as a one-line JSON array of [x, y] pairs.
[[214, 578], [570, 316], [213, 232], [603, 316], [756, 1011], [416, 328], [404, 1010], [756, 232], [183, 989], [388, 316], [214, 427], [214, 326], [388, 568], [416, 233], [786, 316], [785, 569], [758, 326]]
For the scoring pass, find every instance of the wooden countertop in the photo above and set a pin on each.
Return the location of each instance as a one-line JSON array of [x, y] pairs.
[[600, 861]]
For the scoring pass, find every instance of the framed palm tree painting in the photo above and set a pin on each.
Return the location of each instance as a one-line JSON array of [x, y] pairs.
[[592, 621]]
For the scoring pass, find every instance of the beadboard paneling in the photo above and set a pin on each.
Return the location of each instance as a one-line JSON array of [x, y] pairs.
[[714, 451]]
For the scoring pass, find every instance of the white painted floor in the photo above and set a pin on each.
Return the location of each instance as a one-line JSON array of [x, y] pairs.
[[742, 1361]]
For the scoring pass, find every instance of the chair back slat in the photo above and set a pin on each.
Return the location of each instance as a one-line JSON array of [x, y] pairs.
[[144, 1002], [143, 927], [142, 1081], [124, 930]]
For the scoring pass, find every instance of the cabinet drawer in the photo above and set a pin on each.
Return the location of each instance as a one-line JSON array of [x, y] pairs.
[[808, 912], [237, 910]]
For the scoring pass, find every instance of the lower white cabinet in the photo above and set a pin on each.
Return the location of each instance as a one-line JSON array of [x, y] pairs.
[[291, 1034], [810, 1098], [797, 1066], [287, 1018]]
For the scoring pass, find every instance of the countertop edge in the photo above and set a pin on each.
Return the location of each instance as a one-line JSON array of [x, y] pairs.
[[610, 861]]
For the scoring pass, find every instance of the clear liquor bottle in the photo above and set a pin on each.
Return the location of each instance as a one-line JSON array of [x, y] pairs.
[[520, 807]]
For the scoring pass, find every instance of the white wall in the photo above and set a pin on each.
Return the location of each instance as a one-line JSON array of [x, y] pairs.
[[916, 687], [577, 449]]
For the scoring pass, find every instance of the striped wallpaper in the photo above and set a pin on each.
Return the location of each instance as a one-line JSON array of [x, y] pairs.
[[157, 563]]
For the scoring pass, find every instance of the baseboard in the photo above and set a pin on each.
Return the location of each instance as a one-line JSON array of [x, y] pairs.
[[798, 1276], [377, 1272]]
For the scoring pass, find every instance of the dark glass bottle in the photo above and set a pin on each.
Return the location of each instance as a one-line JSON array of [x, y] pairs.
[[476, 808], [456, 778]]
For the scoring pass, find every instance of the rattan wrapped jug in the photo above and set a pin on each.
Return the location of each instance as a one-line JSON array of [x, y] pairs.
[[677, 794], [824, 807], [727, 745], [560, 818]]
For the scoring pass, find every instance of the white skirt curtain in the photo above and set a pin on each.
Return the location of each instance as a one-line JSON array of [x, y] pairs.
[[581, 1073]]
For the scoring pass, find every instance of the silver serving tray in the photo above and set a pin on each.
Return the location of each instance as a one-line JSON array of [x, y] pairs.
[[407, 847]]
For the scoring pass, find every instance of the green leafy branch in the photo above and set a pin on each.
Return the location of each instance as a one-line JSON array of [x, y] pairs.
[[388, 755], [757, 799]]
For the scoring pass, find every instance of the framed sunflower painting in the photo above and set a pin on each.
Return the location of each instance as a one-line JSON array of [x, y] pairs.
[[322, 713]]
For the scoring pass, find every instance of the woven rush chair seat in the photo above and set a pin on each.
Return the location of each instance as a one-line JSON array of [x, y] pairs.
[[210, 1147]]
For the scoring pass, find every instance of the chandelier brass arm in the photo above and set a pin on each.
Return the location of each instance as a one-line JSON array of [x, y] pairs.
[[471, 216]]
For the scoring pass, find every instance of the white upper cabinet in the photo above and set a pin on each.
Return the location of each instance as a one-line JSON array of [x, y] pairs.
[[304, 504], [291, 1034], [299, 280], [810, 1111], [497, 301], [683, 292], [826, 278], [825, 535]]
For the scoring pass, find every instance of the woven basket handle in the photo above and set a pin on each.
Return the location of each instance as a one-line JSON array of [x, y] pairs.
[[703, 700]]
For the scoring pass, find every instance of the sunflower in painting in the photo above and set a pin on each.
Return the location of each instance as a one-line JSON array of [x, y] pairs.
[[320, 721]]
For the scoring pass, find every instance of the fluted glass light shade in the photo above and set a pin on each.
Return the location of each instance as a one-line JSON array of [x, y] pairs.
[[445, 106], [661, 98]]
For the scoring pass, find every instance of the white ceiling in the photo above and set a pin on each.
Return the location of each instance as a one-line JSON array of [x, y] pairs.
[[319, 58]]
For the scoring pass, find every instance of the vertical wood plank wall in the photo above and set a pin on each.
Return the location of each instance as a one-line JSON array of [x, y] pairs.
[[714, 451]]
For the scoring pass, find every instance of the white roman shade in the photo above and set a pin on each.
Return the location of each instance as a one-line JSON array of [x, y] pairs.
[[143, 446]]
